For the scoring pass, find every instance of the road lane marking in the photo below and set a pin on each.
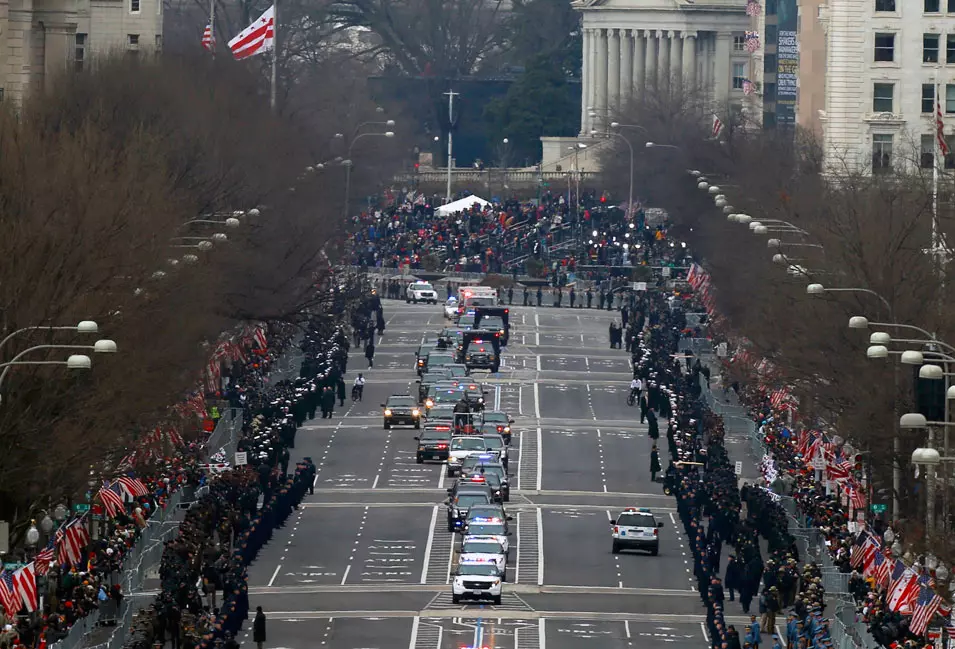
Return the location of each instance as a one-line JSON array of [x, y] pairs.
[[447, 579], [517, 565], [626, 628], [520, 400], [540, 634], [673, 521], [540, 548], [478, 634], [442, 473], [537, 400], [275, 574], [429, 544], [540, 472], [539, 363], [497, 397], [414, 632], [345, 576], [603, 468], [703, 629]]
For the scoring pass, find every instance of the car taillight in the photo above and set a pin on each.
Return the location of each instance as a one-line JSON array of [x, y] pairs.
[[442, 446], [656, 532], [616, 530]]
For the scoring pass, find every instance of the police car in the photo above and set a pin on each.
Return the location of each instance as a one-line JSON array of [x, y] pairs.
[[477, 579], [421, 292], [451, 308], [484, 548], [636, 528], [462, 447], [490, 527]]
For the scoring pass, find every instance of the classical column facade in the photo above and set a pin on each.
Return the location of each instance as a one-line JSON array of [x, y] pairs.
[[663, 71], [689, 59], [639, 61], [613, 70], [601, 61], [594, 75], [626, 66], [653, 38], [721, 72], [676, 58], [585, 81]]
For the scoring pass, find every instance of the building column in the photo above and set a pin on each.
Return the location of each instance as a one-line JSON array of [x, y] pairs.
[[639, 61], [721, 82], [663, 74], [689, 60], [601, 61], [585, 80], [613, 70], [626, 67], [594, 76], [652, 43], [676, 59]]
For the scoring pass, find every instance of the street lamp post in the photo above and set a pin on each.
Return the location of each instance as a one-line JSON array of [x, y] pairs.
[[83, 327], [630, 147], [348, 164]]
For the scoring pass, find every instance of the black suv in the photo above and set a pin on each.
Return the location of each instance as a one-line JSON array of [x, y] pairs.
[[433, 445], [461, 499], [401, 409]]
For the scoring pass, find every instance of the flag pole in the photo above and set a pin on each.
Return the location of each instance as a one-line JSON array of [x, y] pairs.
[[212, 26], [275, 51]]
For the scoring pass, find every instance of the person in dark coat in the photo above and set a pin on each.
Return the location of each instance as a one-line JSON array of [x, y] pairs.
[[258, 628], [341, 392], [734, 576], [370, 353], [655, 467], [328, 402]]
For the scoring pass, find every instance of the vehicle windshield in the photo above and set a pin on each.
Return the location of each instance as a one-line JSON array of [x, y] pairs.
[[423, 286], [636, 520], [467, 444], [493, 441], [444, 413], [486, 529], [434, 436], [458, 371], [401, 401], [483, 569], [466, 321], [490, 471], [480, 301], [481, 547], [492, 323], [464, 501], [490, 416]]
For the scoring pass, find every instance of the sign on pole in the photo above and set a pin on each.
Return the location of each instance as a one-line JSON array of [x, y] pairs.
[[739, 468], [241, 458], [639, 286]]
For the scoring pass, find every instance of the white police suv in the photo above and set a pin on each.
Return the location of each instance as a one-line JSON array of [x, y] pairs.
[[482, 549], [636, 528], [421, 292], [488, 527], [477, 579]]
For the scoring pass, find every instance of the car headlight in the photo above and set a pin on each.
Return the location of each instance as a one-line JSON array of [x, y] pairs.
[[480, 400], [454, 460], [429, 403], [387, 412], [496, 582], [415, 412], [507, 429]]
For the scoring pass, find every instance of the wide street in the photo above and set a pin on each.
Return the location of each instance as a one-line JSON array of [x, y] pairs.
[[364, 563]]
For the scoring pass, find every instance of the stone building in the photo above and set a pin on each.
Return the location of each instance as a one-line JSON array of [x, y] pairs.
[[40, 39]]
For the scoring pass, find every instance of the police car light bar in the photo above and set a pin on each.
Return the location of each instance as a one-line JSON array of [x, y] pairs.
[[483, 519]]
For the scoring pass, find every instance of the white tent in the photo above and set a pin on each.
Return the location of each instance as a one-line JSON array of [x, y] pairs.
[[461, 205]]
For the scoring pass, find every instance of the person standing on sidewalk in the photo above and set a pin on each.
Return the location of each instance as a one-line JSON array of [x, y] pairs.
[[258, 628], [370, 353], [734, 575], [752, 632]]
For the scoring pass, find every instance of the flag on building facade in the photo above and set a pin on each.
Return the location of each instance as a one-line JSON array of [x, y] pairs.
[[717, 126], [257, 38], [208, 39], [24, 580], [748, 87], [939, 124]]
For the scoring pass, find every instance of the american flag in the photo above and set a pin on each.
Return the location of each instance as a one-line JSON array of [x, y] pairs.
[[872, 568], [883, 563], [926, 606], [8, 594], [753, 8], [863, 550], [856, 497], [71, 539], [133, 486], [751, 42], [717, 126], [112, 498], [208, 38], [45, 557], [939, 124], [259, 336], [24, 580], [749, 87]]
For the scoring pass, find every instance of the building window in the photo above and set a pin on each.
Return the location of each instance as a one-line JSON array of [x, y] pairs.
[[933, 6], [928, 98], [930, 48], [158, 42], [133, 41], [769, 64], [134, 6], [739, 43], [881, 153], [882, 96], [949, 99], [770, 7], [950, 49], [885, 47], [79, 52], [951, 6], [739, 75], [885, 5], [927, 156]]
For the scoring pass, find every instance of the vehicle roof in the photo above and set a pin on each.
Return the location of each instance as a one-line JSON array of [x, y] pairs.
[[481, 538], [400, 396]]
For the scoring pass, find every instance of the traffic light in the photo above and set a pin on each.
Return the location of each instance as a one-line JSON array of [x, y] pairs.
[[416, 167], [857, 462]]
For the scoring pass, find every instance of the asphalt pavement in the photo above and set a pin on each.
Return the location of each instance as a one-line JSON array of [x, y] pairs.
[[364, 562]]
